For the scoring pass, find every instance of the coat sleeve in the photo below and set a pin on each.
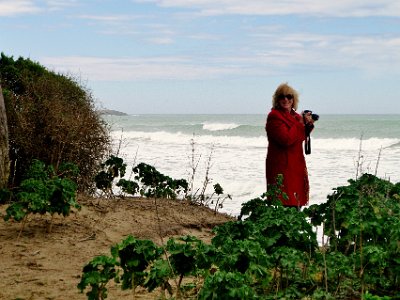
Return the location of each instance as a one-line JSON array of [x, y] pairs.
[[284, 133]]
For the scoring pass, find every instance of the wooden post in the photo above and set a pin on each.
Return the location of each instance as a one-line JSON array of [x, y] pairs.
[[4, 147]]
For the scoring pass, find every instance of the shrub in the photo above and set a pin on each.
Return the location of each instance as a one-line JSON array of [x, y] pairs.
[[361, 221], [112, 168], [51, 117], [147, 180], [155, 184], [43, 191], [273, 253], [96, 274]]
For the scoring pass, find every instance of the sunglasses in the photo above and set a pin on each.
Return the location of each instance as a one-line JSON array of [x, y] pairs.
[[288, 96]]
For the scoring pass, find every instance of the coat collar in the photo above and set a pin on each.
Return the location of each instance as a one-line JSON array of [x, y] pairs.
[[288, 117]]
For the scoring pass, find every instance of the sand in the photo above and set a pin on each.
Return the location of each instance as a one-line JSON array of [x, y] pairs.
[[48, 265]]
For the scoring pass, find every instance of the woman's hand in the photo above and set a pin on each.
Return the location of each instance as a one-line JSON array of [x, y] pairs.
[[308, 119]]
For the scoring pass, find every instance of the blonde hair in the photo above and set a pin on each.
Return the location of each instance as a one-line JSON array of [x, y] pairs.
[[285, 89]]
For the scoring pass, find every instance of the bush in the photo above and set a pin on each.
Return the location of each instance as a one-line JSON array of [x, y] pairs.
[[157, 185], [43, 191], [361, 221], [51, 117], [147, 180], [273, 253]]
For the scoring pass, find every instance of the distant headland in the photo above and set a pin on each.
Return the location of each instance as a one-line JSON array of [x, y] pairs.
[[111, 112]]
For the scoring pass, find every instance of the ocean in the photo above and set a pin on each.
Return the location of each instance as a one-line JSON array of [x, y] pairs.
[[233, 149]]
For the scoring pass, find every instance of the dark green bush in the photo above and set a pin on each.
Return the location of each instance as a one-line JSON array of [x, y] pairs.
[[51, 117], [362, 223], [272, 252], [154, 184], [44, 191], [111, 169]]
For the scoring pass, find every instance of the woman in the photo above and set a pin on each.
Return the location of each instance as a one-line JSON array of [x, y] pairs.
[[286, 131]]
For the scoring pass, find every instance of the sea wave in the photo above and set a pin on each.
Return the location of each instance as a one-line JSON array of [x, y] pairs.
[[238, 161], [354, 143], [219, 126], [395, 145], [179, 138], [225, 141]]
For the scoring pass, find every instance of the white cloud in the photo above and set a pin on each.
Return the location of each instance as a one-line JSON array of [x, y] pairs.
[[204, 37], [125, 69], [339, 8], [60, 4], [125, 24], [107, 18], [22, 7], [368, 54], [17, 7], [374, 55], [161, 40], [303, 53]]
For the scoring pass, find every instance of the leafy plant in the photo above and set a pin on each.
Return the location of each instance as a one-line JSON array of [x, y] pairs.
[[369, 296], [96, 274], [43, 191], [113, 167], [218, 190], [270, 245], [361, 221], [128, 186], [188, 256], [147, 180], [227, 285], [155, 184], [159, 275], [137, 262], [135, 257], [271, 252], [5, 195]]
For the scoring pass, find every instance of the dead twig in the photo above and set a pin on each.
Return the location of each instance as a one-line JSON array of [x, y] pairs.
[[88, 238]]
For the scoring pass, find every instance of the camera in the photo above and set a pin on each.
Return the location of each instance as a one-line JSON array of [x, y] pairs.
[[315, 117], [308, 129]]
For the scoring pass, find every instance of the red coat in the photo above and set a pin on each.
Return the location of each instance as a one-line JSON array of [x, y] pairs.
[[286, 133]]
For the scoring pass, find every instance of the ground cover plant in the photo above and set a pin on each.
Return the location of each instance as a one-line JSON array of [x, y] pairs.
[[272, 251]]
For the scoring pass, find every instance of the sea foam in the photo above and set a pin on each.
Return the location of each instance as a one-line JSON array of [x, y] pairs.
[[219, 126], [238, 153]]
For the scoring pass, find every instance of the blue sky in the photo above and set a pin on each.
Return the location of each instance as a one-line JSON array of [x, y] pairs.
[[215, 56]]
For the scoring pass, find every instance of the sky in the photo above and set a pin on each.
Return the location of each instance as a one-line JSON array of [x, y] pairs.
[[215, 56]]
